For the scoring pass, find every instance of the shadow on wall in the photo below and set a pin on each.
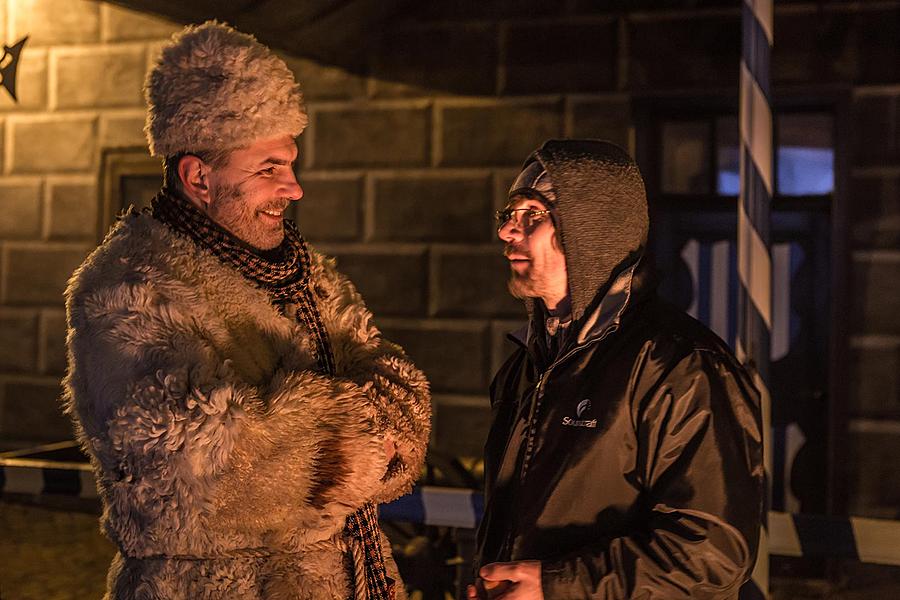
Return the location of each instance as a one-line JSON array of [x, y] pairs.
[[513, 47], [456, 47], [870, 469]]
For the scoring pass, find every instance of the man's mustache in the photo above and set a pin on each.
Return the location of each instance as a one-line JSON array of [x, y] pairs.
[[513, 249], [277, 205]]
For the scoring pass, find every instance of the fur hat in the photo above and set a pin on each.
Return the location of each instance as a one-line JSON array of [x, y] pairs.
[[215, 88]]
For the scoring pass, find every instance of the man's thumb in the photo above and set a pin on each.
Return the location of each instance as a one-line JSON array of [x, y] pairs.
[[496, 572]]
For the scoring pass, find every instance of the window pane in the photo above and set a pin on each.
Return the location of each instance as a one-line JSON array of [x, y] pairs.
[[805, 154], [728, 158], [685, 157]]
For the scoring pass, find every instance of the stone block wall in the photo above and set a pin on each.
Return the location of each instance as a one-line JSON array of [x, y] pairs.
[[401, 186], [874, 324], [79, 86], [406, 159], [478, 87], [403, 168]]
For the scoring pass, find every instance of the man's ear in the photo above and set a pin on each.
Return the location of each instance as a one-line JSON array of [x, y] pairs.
[[194, 175]]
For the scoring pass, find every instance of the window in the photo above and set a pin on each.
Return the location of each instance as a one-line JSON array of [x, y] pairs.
[[693, 158], [728, 157], [702, 156], [686, 157], [805, 157]]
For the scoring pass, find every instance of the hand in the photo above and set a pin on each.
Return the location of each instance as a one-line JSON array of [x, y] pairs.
[[520, 580]]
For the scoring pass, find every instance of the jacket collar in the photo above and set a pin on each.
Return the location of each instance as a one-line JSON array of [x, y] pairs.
[[606, 316], [608, 313]]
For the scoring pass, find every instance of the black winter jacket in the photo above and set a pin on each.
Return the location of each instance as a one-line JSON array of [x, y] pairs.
[[632, 465]]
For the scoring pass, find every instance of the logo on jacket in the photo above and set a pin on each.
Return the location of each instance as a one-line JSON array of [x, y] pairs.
[[583, 407]]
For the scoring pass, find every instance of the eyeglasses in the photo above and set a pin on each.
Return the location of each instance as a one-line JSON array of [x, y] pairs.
[[522, 218]]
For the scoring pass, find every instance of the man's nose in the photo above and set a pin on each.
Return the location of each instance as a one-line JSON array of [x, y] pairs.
[[510, 232], [290, 187]]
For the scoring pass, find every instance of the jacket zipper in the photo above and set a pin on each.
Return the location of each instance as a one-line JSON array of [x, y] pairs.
[[507, 547], [539, 395]]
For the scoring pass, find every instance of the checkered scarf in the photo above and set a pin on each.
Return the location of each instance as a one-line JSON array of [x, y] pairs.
[[284, 274]]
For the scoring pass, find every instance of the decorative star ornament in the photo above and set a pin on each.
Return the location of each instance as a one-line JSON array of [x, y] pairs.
[[9, 62]]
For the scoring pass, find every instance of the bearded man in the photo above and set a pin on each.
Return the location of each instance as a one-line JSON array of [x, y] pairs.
[[242, 413], [625, 456]]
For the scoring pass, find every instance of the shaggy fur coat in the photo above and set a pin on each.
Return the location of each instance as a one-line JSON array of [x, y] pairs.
[[226, 464]]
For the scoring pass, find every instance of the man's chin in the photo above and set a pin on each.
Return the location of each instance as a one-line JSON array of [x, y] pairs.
[[272, 243], [268, 240], [519, 288]]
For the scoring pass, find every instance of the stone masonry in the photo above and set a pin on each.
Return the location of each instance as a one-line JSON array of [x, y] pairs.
[[404, 163], [79, 85]]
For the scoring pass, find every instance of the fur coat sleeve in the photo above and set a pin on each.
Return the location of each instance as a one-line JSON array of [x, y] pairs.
[[395, 387], [209, 430]]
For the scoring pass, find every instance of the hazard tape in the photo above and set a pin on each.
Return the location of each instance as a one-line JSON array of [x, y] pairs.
[[867, 540], [22, 474]]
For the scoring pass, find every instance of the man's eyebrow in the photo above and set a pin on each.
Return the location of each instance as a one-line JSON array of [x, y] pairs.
[[276, 161], [524, 204]]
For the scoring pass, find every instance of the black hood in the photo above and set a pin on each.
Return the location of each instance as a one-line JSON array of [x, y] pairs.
[[600, 209]]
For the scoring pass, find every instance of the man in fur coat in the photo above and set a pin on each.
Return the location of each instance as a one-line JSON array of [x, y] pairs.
[[242, 414]]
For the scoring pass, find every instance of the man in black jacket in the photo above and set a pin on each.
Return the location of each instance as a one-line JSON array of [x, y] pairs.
[[625, 455]]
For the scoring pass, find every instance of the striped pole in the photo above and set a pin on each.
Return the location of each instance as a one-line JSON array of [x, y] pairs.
[[754, 261]]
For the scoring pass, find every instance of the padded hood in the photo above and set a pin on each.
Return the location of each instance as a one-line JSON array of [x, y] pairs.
[[600, 211]]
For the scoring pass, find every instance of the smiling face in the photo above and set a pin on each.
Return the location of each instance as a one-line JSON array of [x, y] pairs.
[[536, 260], [250, 192]]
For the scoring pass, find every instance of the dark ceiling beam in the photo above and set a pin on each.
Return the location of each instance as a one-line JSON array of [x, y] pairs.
[[336, 32]]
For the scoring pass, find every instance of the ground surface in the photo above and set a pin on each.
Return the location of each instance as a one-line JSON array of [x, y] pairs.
[[59, 554], [51, 554]]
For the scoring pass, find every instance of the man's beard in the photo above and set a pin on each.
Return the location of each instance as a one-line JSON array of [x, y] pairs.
[[533, 282], [229, 209], [525, 286], [520, 286]]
